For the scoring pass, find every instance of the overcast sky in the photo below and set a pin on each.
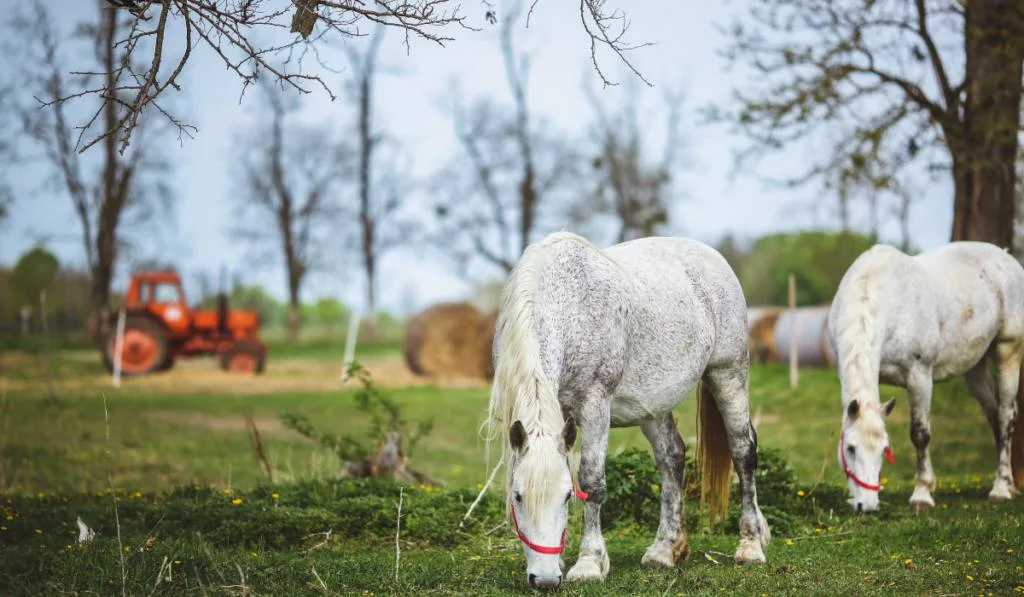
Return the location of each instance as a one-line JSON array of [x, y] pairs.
[[684, 55]]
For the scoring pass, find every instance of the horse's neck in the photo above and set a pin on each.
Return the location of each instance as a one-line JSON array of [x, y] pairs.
[[859, 346]]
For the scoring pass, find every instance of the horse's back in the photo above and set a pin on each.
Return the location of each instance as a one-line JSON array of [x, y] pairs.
[[687, 313], [943, 307]]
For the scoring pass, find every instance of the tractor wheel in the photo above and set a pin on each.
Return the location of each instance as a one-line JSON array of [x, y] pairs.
[[243, 357], [144, 347]]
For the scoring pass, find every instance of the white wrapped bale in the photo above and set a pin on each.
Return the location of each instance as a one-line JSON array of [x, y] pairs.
[[811, 337]]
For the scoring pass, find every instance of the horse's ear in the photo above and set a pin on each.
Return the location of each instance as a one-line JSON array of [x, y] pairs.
[[852, 409], [517, 436], [569, 433], [888, 406]]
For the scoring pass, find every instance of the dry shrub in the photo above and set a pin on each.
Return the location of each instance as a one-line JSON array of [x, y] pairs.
[[450, 339]]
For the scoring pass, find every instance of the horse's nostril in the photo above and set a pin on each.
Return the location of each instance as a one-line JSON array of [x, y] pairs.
[[533, 580], [860, 508]]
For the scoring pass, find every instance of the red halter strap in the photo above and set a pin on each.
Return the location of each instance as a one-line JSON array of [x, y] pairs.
[[851, 474], [541, 548]]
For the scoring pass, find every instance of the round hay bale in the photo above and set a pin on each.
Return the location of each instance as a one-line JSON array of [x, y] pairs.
[[450, 339], [761, 330]]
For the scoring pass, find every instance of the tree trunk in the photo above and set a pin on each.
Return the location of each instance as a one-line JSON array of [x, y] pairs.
[[365, 209], [985, 169], [112, 193], [294, 318]]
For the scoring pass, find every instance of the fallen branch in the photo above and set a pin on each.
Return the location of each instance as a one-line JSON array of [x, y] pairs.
[[389, 460]]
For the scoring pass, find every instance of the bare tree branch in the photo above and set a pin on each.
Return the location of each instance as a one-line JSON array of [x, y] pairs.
[[106, 192], [489, 208], [290, 179], [228, 29]]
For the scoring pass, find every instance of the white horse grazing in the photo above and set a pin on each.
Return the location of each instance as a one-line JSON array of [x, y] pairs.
[[617, 338], [911, 321]]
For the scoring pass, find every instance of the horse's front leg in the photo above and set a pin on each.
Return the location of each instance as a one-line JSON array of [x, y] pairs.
[[919, 393], [594, 418]]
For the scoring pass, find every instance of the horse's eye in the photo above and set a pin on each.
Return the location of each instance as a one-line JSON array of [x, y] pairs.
[[567, 497], [851, 450], [519, 498]]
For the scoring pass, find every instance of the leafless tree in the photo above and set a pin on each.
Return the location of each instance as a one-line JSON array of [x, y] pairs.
[[491, 196], [230, 29], [899, 83], [380, 183], [288, 204], [112, 191], [632, 192], [7, 149]]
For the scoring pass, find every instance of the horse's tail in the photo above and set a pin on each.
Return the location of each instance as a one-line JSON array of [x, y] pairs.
[[713, 455], [1017, 441]]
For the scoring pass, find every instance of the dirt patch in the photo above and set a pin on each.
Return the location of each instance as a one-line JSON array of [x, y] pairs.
[[204, 375], [265, 425]]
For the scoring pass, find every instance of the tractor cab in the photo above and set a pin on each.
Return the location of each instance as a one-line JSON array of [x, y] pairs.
[[160, 293]]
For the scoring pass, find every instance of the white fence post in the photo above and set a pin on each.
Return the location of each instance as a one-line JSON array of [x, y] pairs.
[[118, 347], [350, 342]]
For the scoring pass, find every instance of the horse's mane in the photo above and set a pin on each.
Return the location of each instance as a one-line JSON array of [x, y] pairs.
[[521, 390], [857, 347]]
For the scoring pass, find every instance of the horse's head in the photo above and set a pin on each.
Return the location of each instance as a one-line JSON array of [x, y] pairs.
[[863, 442], [539, 491]]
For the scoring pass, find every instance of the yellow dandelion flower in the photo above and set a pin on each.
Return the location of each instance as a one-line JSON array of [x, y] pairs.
[[969, 577], [227, 491], [908, 561], [39, 531], [789, 542], [177, 562], [40, 495], [274, 496], [236, 501], [885, 480]]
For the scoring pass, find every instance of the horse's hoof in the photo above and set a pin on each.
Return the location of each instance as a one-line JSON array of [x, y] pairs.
[[921, 500], [588, 569], [658, 556], [919, 506], [749, 552], [1001, 491]]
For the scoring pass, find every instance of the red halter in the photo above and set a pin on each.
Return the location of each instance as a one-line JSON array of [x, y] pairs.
[[541, 548], [852, 475]]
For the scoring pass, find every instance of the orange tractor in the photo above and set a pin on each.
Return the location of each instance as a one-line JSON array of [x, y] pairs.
[[159, 326]]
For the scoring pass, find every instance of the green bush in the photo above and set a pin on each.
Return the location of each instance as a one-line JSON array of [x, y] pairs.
[[633, 493]]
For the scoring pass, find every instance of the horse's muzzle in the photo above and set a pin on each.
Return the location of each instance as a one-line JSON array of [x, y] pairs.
[[545, 582]]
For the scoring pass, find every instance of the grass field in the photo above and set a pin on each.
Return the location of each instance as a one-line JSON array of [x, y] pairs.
[[197, 515]]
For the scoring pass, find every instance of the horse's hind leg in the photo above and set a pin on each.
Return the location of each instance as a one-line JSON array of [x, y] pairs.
[[729, 386], [669, 547], [1008, 361]]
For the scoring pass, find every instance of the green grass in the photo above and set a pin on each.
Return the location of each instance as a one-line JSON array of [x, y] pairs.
[[181, 448]]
